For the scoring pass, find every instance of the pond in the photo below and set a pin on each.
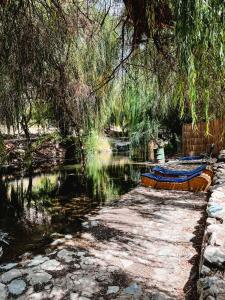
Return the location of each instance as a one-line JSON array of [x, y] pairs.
[[31, 208]]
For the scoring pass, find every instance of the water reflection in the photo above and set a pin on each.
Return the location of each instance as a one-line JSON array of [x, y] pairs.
[[33, 207]]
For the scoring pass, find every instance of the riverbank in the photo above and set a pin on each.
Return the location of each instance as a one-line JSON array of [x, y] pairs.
[[144, 246], [47, 153]]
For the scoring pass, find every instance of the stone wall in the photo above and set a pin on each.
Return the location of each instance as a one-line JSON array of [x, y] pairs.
[[211, 284]]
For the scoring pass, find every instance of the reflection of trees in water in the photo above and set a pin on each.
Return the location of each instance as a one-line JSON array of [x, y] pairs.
[[61, 198], [33, 206]]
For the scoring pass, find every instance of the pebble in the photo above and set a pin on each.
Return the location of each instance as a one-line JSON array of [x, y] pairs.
[[133, 289], [10, 275], [68, 236], [17, 287], [113, 290]]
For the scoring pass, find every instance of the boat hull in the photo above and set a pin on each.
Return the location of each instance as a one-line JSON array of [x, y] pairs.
[[196, 184]]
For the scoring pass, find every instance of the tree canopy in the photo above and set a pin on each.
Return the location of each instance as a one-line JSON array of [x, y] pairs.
[[75, 62]]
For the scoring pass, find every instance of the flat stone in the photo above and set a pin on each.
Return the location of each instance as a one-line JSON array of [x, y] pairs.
[[87, 285], [133, 289], [57, 293], [10, 275], [8, 267], [216, 211], [214, 255], [218, 194], [37, 260], [39, 278], [83, 298], [113, 290], [17, 287], [74, 296], [3, 292], [66, 255], [52, 265]]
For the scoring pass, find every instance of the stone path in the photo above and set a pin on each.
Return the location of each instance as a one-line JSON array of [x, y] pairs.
[[143, 247]]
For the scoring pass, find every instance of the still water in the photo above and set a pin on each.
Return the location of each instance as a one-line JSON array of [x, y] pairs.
[[31, 208]]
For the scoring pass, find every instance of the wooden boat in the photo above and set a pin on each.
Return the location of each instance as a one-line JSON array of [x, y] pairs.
[[164, 172], [195, 183]]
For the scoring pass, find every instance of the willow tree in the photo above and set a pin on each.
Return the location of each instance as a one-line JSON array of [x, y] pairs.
[[190, 37], [53, 55], [66, 55]]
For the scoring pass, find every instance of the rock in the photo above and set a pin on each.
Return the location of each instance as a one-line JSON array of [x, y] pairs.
[[113, 290], [215, 228], [39, 278], [80, 253], [17, 287], [48, 287], [66, 255], [52, 265], [133, 289], [87, 285], [68, 236], [37, 260], [205, 271], [3, 292], [94, 223], [74, 296], [86, 225], [211, 221], [10, 275], [216, 211], [58, 242], [211, 298], [26, 255], [38, 296], [8, 266], [212, 286], [57, 235], [57, 293], [218, 194], [217, 237], [214, 255], [83, 298]]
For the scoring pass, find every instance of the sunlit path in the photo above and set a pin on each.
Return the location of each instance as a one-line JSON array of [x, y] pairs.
[[145, 246], [153, 236]]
